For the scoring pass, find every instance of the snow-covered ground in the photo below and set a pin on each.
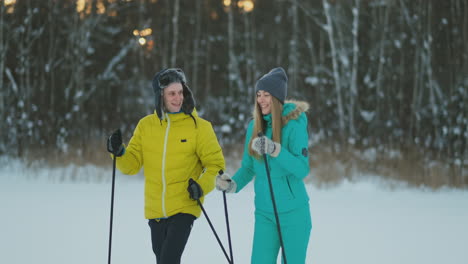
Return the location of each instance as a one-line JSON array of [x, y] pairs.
[[47, 218]]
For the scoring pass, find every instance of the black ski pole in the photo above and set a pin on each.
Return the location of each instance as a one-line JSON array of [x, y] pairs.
[[283, 251], [227, 222], [212, 228], [112, 209]]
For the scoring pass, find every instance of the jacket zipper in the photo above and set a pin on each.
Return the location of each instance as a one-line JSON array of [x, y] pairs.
[[163, 175]]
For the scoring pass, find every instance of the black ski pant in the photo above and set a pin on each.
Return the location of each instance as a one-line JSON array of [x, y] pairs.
[[169, 237]]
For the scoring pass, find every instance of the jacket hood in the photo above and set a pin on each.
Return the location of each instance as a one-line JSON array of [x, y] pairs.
[[293, 109], [189, 102]]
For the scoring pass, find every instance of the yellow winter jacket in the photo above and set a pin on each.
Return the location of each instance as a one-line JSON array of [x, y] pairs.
[[172, 151]]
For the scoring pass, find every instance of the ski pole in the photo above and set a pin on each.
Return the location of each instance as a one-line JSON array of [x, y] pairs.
[[227, 222], [112, 209], [260, 134], [212, 228]]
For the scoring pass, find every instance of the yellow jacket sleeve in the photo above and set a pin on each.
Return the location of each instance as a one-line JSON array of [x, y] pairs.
[[132, 160], [211, 156]]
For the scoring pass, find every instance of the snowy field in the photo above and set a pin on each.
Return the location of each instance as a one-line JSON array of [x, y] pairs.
[[47, 218]]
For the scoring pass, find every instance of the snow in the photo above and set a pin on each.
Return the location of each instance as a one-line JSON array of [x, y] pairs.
[[312, 80], [367, 115], [226, 129], [61, 215]]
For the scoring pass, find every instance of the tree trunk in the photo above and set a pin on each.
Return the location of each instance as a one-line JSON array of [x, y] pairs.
[[293, 48], [4, 43], [196, 46], [381, 64], [234, 77], [336, 71], [354, 91], [175, 31]]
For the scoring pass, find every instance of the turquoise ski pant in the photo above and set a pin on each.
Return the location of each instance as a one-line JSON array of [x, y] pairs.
[[296, 226]]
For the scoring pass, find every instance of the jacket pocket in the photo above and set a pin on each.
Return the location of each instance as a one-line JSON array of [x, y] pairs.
[[290, 189]]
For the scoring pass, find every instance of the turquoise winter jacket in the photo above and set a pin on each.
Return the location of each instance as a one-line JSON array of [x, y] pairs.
[[287, 170]]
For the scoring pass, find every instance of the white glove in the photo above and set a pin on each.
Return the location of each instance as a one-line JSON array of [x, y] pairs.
[[263, 145], [225, 183]]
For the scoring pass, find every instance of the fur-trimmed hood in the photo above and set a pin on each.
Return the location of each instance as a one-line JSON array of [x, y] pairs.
[[293, 109]]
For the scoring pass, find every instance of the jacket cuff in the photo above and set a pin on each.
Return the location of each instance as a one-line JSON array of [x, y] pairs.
[[277, 150]]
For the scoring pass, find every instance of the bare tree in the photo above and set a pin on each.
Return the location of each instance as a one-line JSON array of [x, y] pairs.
[[4, 44], [196, 43], [355, 65], [250, 63], [235, 80], [5, 93], [336, 71], [382, 59], [293, 69], [208, 66], [175, 32]]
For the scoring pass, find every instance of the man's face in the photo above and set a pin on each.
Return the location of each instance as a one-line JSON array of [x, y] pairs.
[[173, 97]]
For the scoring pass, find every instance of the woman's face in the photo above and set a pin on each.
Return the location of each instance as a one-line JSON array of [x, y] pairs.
[[173, 97], [264, 101]]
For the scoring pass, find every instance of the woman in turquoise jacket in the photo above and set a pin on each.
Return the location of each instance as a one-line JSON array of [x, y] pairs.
[[285, 143]]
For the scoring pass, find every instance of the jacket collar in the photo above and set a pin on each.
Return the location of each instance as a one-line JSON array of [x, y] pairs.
[[175, 117]]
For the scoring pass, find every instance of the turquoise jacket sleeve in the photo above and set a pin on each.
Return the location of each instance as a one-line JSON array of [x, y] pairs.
[[293, 156], [246, 172]]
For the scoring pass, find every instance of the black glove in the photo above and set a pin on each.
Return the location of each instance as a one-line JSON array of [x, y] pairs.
[[194, 190], [114, 144]]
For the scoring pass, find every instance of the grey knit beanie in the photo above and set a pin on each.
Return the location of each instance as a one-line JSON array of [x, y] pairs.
[[275, 82]]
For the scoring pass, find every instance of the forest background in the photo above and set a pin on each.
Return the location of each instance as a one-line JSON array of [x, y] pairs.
[[387, 80]]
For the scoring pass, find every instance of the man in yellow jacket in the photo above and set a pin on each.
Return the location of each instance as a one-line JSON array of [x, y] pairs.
[[173, 145]]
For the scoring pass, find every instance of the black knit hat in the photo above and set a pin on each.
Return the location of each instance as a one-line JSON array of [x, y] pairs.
[[275, 82], [162, 80]]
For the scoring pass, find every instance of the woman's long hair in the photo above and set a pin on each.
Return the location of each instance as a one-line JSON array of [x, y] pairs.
[[260, 124]]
